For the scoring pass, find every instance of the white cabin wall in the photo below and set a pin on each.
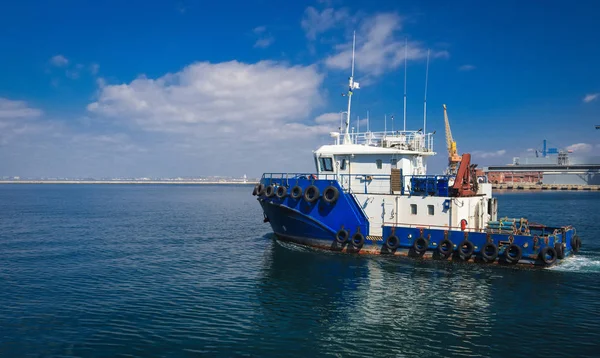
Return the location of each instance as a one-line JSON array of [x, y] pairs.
[[396, 210], [440, 218], [473, 209], [360, 166]]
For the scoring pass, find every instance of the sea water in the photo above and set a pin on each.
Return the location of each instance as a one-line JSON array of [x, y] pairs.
[[169, 270]]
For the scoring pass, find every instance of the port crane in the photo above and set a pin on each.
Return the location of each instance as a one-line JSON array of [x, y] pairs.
[[453, 157]]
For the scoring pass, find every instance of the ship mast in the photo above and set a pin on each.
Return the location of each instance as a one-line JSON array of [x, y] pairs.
[[405, 55], [351, 86]]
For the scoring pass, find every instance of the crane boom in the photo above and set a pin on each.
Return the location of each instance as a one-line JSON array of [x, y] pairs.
[[453, 157], [449, 139]]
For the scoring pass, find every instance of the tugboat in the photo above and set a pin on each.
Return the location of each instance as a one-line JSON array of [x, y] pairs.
[[370, 194]]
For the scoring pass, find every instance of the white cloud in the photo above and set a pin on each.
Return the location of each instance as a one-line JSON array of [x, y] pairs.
[[17, 119], [72, 74], [591, 97], [259, 29], [328, 118], [224, 109], [379, 47], [492, 154], [94, 68], [223, 93], [264, 42], [580, 147], [59, 61], [10, 109], [466, 68], [264, 39], [315, 22]]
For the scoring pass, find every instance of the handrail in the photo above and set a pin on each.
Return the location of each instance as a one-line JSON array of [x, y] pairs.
[[410, 140], [426, 226]]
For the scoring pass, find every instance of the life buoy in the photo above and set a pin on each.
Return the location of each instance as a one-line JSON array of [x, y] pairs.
[[270, 191], [548, 255], [465, 249], [513, 254], [392, 242], [489, 252], [281, 192], [342, 236], [421, 245], [313, 177], [311, 194], [445, 248], [358, 240], [331, 194], [296, 192], [463, 225]]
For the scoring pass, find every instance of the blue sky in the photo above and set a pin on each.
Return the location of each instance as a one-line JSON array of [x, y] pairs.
[[181, 88]]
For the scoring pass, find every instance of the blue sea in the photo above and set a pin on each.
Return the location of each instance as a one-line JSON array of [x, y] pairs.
[[169, 270]]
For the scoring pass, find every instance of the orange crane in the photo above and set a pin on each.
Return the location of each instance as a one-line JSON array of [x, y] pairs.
[[453, 157]]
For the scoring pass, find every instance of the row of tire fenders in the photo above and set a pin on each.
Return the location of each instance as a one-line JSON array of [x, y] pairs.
[[465, 250], [311, 194]]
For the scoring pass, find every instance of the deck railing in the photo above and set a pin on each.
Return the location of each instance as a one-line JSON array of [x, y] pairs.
[[358, 183], [407, 140]]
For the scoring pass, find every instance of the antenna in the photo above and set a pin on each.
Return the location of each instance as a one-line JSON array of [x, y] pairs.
[[425, 100], [405, 55], [384, 123], [351, 86]]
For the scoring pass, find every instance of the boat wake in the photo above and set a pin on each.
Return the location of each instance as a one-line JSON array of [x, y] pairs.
[[584, 262]]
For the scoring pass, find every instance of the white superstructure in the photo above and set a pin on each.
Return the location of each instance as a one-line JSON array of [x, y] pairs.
[[376, 168]]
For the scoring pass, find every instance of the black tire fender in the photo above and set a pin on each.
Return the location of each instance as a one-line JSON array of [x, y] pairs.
[[296, 192], [331, 194], [342, 236], [466, 249], [513, 253], [270, 191], [560, 252], [358, 240], [311, 194], [548, 255], [445, 248], [421, 245], [260, 189], [575, 244], [489, 252], [392, 242], [281, 192]]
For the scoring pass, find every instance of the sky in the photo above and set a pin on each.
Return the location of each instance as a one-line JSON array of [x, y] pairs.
[[198, 88]]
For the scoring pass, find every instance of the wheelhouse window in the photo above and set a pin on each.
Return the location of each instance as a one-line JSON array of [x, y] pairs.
[[379, 163], [430, 210], [413, 209], [343, 164], [326, 164]]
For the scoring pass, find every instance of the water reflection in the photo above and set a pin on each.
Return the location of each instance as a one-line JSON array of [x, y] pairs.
[[386, 305]]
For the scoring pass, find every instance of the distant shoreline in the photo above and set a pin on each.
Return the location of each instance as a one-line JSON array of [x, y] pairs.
[[180, 182]]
